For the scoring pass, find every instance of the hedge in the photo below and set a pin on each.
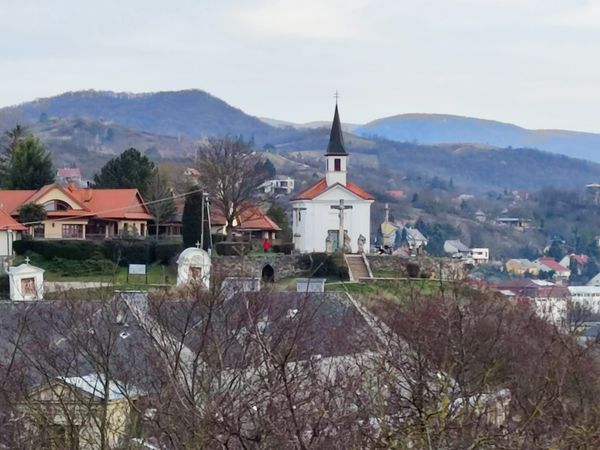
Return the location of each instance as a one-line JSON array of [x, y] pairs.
[[286, 248], [164, 252], [75, 250], [233, 248], [123, 251]]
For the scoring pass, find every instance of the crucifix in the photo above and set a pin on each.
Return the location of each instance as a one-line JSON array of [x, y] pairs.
[[341, 208]]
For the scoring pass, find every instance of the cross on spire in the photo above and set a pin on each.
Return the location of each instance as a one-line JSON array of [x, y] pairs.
[[336, 96]]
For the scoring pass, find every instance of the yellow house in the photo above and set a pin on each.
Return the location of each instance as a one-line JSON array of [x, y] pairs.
[[80, 213], [75, 412], [521, 267]]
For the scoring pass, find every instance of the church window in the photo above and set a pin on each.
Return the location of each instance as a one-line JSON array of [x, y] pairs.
[[337, 164]]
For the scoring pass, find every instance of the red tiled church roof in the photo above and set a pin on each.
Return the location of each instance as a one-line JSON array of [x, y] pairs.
[[321, 186]]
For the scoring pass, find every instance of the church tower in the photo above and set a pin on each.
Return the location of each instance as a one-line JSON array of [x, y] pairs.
[[336, 158]]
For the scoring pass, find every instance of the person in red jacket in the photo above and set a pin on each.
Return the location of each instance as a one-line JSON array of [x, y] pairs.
[[266, 245]]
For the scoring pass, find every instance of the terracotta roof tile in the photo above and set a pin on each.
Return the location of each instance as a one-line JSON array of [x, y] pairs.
[[8, 223]]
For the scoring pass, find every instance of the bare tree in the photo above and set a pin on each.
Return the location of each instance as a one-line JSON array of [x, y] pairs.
[[231, 172]]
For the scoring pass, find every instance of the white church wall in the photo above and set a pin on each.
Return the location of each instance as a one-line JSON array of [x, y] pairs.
[[318, 219]]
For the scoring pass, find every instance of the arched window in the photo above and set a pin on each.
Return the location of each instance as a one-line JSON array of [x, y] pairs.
[[56, 205]]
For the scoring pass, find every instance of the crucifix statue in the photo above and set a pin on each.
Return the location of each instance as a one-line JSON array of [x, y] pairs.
[[341, 208]]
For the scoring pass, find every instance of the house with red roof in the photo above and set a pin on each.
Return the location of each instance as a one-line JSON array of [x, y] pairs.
[[321, 210], [76, 213], [252, 223]]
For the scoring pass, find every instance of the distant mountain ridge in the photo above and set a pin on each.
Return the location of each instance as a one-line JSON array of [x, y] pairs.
[[190, 113], [446, 128]]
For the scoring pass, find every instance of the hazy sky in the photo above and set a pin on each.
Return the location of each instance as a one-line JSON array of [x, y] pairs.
[[531, 62]]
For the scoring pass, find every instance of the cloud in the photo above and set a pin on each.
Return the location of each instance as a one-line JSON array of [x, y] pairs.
[[312, 19], [584, 16]]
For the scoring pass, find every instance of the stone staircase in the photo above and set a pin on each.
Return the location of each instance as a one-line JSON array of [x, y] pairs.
[[358, 267]]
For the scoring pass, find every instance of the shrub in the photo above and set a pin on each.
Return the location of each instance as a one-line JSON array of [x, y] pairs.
[[129, 251], [286, 248], [165, 251], [324, 265], [412, 269], [233, 248]]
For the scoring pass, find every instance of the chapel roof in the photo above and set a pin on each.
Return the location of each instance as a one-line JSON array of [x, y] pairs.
[[321, 186]]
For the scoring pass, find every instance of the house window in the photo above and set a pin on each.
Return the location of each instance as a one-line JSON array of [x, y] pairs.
[[72, 231], [337, 162], [56, 205], [38, 230]]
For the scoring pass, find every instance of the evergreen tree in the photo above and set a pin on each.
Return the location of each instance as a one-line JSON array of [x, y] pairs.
[[29, 166], [555, 251], [279, 216], [131, 169], [192, 221]]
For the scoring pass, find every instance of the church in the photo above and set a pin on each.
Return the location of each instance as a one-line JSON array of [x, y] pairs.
[[333, 207]]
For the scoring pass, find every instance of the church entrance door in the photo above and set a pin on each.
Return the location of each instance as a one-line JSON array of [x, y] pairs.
[[333, 236]]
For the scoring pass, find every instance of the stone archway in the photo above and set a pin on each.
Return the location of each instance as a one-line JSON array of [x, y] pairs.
[[268, 274]]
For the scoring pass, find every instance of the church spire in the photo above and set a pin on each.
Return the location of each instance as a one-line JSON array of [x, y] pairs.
[[336, 138]]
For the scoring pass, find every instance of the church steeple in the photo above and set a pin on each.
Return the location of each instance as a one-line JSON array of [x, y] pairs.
[[336, 156], [336, 138]]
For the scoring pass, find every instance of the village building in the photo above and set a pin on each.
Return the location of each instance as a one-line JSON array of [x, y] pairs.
[[73, 212], [521, 266], [67, 412], [66, 175], [480, 255], [279, 186], [549, 265], [333, 206], [456, 249], [251, 223]]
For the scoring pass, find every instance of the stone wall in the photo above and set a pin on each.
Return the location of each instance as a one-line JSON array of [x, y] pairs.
[[253, 266]]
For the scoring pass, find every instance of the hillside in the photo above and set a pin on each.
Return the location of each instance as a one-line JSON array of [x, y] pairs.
[[88, 128], [189, 113], [442, 128]]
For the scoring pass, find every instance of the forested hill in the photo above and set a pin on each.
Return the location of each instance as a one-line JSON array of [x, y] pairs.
[[190, 113], [444, 128]]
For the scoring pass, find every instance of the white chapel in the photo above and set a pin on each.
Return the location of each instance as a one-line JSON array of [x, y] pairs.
[[333, 205]]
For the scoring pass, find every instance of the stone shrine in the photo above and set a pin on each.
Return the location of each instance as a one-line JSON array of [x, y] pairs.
[[26, 282], [193, 266]]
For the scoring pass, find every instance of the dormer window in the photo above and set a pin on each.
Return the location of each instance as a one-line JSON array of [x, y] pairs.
[[337, 164], [56, 205]]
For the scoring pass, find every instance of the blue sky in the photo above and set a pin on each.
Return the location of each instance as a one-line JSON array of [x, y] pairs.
[[531, 62]]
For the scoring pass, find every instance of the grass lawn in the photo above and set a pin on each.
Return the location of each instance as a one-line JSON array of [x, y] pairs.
[[393, 289], [157, 274]]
